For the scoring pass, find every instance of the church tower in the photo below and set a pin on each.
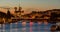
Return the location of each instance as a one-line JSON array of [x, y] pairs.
[[18, 11]]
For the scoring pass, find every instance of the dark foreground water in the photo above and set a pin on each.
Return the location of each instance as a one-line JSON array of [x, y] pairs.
[[18, 27]]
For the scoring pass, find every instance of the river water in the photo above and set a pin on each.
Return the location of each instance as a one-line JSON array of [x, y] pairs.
[[27, 27]]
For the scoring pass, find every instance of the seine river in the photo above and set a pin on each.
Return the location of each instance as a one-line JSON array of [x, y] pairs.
[[26, 27]]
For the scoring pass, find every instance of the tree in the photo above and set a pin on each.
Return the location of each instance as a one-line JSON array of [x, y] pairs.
[[8, 14]]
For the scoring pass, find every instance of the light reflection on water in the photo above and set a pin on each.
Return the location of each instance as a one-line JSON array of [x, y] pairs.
[[27, 28]]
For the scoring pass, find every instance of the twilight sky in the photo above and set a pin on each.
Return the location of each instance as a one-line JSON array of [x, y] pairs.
[[32, 4]]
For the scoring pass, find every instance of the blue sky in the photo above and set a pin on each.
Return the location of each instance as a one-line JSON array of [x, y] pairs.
[[26, 4]]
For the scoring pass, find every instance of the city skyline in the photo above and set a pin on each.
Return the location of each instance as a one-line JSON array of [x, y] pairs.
[[29, 5]]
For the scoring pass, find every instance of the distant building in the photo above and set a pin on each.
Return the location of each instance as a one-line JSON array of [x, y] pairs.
[[18, 11], [4, 17], [44, 15]]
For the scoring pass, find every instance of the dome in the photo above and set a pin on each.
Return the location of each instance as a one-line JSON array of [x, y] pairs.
[[15, 7], [20, 8]]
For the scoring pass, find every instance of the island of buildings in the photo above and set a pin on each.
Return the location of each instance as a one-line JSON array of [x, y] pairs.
[[51, 16]]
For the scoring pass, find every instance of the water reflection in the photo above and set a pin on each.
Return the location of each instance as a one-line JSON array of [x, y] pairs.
[[26, 27]]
